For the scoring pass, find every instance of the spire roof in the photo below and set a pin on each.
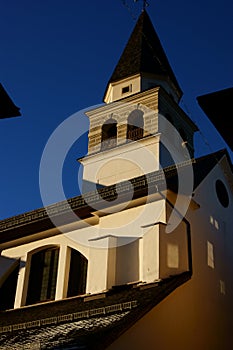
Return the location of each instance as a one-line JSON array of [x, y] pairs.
[[144, 54]]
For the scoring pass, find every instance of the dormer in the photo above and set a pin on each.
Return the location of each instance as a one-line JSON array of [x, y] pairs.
[[142, 65]]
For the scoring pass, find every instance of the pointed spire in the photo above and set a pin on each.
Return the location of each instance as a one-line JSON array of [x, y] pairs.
[[144, 54]]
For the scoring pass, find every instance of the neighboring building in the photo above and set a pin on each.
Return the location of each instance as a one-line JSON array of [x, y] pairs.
[[116, 279], [217, 106], [7, 108]]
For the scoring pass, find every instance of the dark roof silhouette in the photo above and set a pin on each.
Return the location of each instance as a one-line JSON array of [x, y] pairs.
[[144, 54], [218, 108], [7, 108]]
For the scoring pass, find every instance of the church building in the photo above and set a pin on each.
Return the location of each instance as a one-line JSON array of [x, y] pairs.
[[143, 259]]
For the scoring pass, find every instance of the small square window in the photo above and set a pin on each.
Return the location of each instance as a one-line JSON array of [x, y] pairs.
[[126, 89]]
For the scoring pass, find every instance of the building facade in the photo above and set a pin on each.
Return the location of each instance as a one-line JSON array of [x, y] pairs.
[[143, 258]]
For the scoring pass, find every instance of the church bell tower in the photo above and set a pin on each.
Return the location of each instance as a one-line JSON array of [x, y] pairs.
[[140, 128]]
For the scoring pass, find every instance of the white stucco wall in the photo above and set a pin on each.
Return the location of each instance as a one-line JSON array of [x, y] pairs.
[[122, 247], [122, 163]]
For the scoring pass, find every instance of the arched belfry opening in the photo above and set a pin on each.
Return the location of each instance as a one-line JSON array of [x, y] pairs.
[[135, 125], [109, 134], [43, 275]]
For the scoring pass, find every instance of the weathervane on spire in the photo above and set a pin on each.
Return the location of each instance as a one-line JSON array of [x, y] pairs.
[[145, 4]]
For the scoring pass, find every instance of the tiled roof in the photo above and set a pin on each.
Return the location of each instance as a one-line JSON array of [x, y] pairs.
[[7, 108], [83, 322], [38, 220], [144, 54], [58, 335]]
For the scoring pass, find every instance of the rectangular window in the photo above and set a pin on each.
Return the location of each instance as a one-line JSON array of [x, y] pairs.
[[173, 256], [126, 89], [222, 287], [210, 254]]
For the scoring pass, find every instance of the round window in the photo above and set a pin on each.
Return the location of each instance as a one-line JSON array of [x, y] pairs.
[[222, 193]]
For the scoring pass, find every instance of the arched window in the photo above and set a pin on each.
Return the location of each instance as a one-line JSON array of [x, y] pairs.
[[109, 134], [77, 275], [135, 125], [43, 275]]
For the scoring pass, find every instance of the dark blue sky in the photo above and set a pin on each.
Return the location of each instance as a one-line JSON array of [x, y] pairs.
[[57, 56]]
